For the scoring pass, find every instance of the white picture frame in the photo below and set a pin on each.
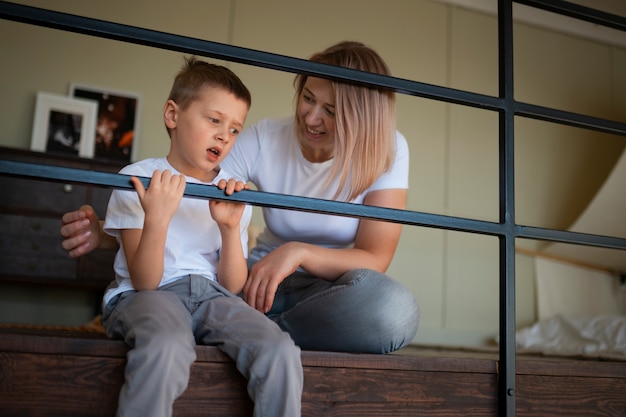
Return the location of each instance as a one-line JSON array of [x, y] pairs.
[[63, 125], [117, 121]]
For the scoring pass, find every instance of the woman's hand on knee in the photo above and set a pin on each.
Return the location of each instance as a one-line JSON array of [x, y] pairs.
[[266, 275]]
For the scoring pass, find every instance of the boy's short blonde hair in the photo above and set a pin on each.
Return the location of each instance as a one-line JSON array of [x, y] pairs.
[[195, 75]]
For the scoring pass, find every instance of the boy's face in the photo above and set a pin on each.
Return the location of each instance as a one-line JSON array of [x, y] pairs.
[[203, 133]]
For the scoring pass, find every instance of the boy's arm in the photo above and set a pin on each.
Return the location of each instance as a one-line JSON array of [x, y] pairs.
[[232, 268], [145, 248]]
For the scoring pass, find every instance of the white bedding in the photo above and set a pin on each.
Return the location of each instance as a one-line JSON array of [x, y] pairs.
[[576, 335]]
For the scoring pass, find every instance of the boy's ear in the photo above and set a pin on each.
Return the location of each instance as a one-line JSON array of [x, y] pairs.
[[170, 113]]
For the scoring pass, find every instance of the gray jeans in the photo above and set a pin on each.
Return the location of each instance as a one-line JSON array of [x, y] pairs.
[[363, 311], [163, 326]]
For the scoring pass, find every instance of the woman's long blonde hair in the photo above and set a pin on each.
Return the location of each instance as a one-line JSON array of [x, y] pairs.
[[365, 119]]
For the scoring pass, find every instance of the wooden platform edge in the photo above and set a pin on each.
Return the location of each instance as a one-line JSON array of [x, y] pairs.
[[62, 375]]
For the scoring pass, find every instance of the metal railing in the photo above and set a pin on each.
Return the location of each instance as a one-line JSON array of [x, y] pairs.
[[505, 104]]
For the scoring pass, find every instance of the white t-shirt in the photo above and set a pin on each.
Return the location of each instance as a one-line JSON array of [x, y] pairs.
[[268, 154], [193, 239]]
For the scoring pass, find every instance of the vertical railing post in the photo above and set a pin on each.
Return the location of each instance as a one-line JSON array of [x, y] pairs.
[[506, 376]]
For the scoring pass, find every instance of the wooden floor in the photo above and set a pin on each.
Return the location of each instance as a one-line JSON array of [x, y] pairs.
[[45, 374]]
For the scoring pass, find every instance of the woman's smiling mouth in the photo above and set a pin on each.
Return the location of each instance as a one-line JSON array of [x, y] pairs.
[[313, 132]]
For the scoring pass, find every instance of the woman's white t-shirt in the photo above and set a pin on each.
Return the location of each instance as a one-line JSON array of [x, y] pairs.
[[268, 154], [193, 239]]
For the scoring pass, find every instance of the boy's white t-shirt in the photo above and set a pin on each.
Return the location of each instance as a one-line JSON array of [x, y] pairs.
[[268, 154], [193, 239]]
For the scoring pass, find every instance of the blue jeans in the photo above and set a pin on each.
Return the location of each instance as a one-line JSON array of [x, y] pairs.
[[363, 311]]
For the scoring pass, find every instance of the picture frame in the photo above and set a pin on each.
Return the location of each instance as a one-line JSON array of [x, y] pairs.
[[117, 121], [63, 125]]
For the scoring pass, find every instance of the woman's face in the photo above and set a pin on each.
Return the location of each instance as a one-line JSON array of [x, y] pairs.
[[316, 119]]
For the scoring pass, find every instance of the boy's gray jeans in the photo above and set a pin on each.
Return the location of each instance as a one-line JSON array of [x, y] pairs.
[[163, 326]]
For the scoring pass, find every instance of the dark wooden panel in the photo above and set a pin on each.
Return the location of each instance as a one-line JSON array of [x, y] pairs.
[[58, 385], [32, 229], [62, 385], [14, 154], [215, 389], [44, 376], [358, 392], [46, 270], [31, 246], [97, 267], [30, 219], [577, 366], [569, 395], [40, 197]]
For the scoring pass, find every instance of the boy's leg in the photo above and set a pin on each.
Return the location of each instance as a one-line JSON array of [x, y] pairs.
[[263, 353], [362, 311], [157, 327]]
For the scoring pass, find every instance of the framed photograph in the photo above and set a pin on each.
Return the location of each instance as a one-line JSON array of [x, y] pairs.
[[64, 125], [116, 122]]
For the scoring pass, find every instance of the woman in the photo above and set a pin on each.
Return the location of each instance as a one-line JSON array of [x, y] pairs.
[[321, 277]]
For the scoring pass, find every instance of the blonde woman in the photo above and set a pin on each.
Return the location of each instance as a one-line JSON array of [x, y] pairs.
[[321, 277]]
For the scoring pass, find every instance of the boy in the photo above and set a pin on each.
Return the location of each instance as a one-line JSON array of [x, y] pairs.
[[181, 261]]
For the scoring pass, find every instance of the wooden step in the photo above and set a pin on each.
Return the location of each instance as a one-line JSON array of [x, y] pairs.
[[80, 375]]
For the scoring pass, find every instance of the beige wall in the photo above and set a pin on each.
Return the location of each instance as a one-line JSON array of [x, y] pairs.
[[453, 148]]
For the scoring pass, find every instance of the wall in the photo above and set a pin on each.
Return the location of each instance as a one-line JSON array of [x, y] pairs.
[[453, 148]]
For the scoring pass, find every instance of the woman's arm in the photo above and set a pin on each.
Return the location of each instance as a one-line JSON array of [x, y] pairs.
[[82, 232], [374, 247]]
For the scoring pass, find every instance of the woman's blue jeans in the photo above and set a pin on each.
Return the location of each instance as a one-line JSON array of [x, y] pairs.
[[363, 311]]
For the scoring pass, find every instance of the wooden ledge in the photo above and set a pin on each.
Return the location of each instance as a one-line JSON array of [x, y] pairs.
[[60, 375]]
